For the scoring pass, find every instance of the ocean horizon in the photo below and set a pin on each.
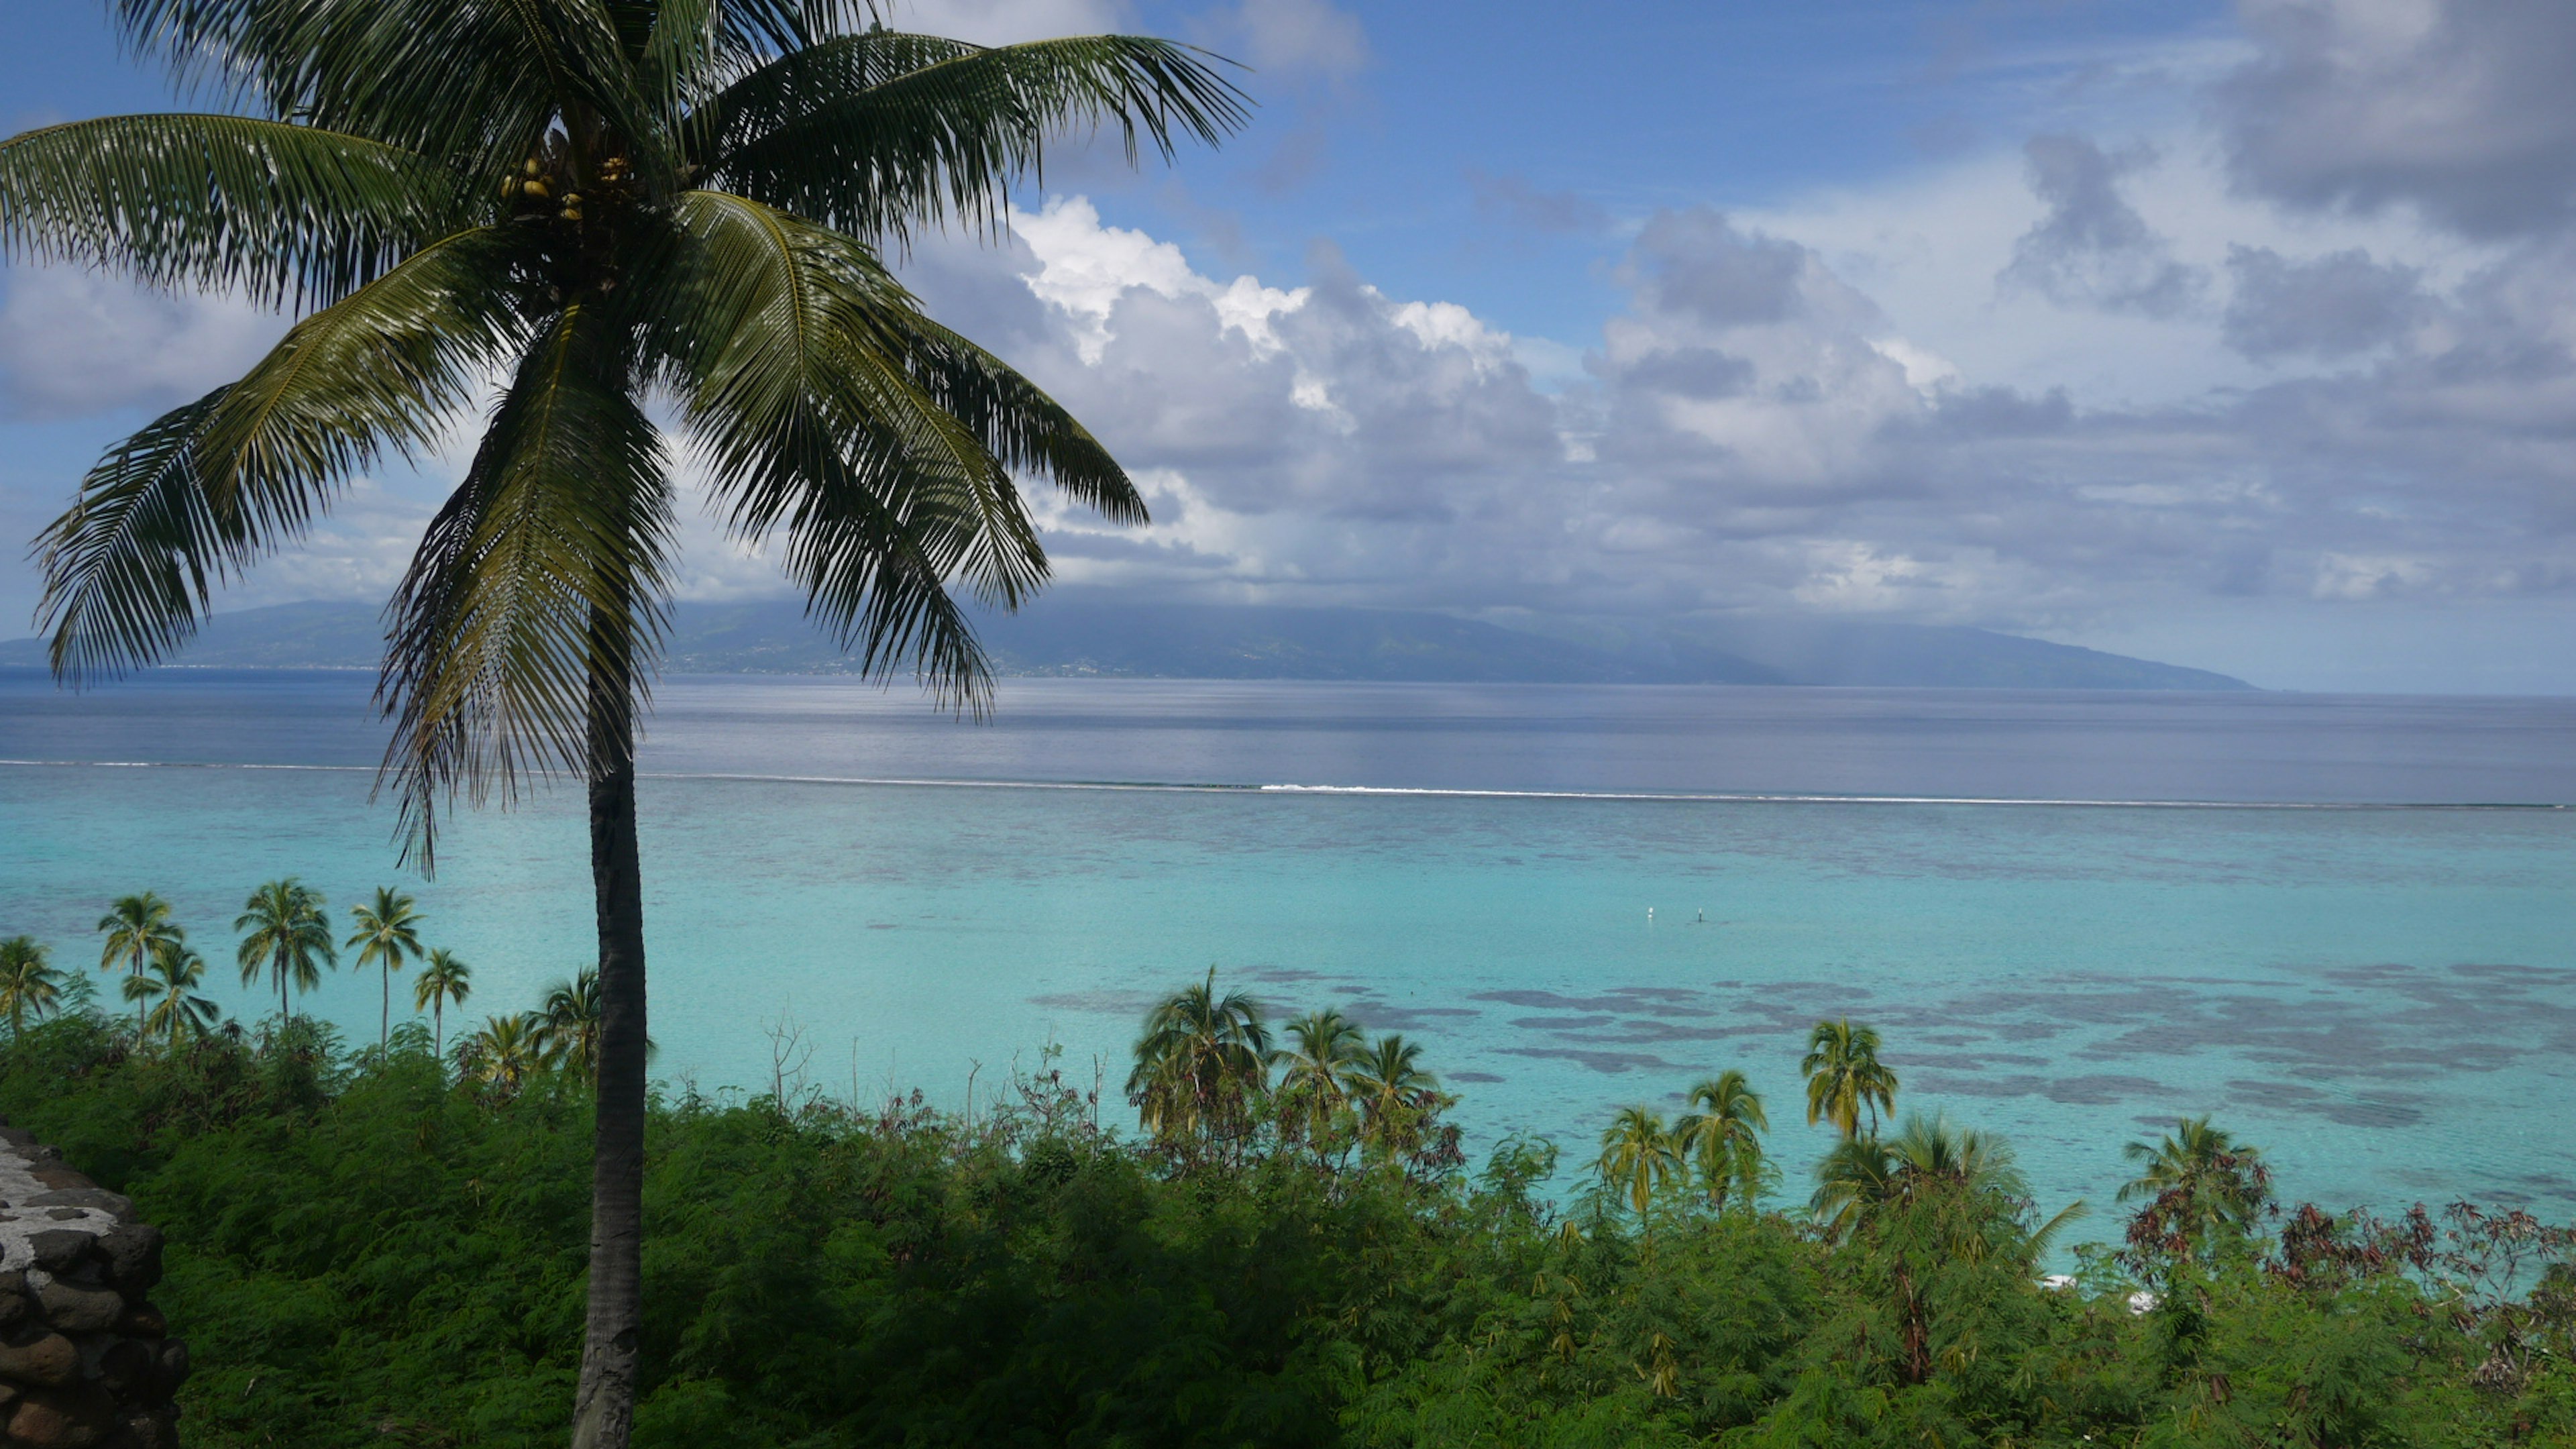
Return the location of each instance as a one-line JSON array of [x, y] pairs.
[[2341, 924]]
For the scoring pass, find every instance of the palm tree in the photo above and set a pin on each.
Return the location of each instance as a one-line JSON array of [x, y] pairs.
[[1395, 1095], [139, 931], [1638, 1157], [1725, 1136], [28, 982], [1863, 1175], [388, 935], [289, 938], [1937, 1196], [170, 986], [604, 203], [1316, 1070], [1201, 1059], [443, 980], [565, 1029], [1845, 1077], [503, 1055], [2204, 1182]]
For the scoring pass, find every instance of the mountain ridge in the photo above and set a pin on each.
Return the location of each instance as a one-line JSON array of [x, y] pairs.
[[1084, 635]]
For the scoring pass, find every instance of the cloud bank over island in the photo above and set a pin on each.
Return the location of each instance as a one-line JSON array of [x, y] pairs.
[[2288, 368]]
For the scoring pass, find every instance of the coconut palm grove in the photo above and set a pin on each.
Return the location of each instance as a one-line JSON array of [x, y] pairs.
[[609, 241]]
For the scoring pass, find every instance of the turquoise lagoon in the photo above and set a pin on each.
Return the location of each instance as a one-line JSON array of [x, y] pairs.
[[2310, 933]]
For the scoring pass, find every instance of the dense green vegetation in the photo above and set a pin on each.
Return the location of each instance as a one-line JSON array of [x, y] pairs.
[[374, 1246]]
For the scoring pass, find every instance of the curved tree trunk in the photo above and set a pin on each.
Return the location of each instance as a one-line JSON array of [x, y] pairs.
[[604, 1405]]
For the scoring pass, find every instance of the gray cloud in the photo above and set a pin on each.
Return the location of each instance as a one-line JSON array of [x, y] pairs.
[[1513, 201], [2459, 107], [2330, 306], [2093, 249], [1697, 262]]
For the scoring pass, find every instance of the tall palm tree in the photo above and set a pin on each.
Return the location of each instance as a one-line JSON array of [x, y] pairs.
[[1200, 1061], [2210, 1184], [443, 980], [169, 987], [1639, 1158], [288, 936], [139, 931], [29, 984], [388, 935], [1395, 1095], [1724, 1135], [1845, 1077], [602, 202], [1315, 1070]]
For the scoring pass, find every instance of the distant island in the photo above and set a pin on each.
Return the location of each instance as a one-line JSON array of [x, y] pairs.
[[1079, 633]]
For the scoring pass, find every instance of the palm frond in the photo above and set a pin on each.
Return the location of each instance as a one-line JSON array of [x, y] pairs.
[[284, 214], [201, 492], [821, 398], [130, 566], [542, 580], [473, 82], [881, 132]]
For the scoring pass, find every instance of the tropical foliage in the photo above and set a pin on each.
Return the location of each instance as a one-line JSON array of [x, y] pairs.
[[1723, 1134], [444, 981], [388, 938], [368, 1250], [1202, 1063], [29, 984], [139, 932], [1845, 1077], [167, 990], [286, 935]]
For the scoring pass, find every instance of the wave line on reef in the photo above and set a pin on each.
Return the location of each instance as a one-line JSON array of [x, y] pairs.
[[1166, 787]]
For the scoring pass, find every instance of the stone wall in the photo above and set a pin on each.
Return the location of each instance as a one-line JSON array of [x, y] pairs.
[[86, 1361]]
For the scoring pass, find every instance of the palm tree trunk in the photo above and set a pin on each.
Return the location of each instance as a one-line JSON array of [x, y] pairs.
[[385, 1022], [604, 1404]]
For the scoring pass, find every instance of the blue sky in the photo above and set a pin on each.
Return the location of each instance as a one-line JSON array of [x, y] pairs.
[[2239, 335]]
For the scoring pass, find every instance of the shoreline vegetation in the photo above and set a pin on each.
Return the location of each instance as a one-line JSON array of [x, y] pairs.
[[1291, 1247]]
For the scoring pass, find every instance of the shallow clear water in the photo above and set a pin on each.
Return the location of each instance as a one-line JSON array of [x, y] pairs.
[[2384, 997]]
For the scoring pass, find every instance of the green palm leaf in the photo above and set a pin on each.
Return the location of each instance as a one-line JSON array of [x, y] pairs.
[[879, 133], [281, 213], [537, 584], [201, 492]]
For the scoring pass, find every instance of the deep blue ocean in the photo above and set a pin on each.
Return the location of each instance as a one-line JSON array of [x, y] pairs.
[[2346, 926]]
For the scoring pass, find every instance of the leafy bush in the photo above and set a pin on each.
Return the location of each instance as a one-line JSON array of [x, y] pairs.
[[363, 1251]]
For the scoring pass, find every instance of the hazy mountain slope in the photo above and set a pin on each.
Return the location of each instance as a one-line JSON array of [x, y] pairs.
[[1074, 633]]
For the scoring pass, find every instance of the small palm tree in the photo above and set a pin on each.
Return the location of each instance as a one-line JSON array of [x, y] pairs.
[[139, 931], [565, 1029], [1201, 1060], [444, 981], [1316, 1070], [1639, 1158], [1846, 1078], [1724, 1135], [503, 1055], [177, 1012], [388, 935], [2205, 1184], [29, 984], [1396, 1095], [289, 937]]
